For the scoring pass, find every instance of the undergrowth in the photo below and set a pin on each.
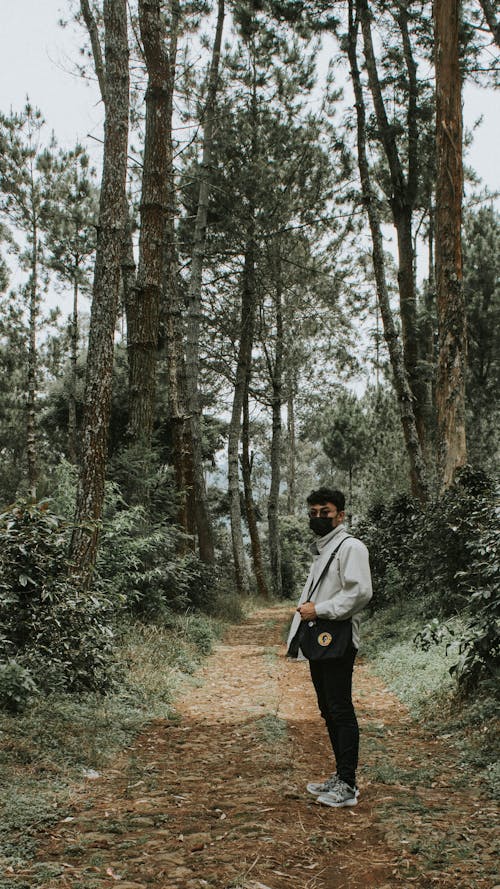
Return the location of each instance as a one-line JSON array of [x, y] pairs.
[[421, 679], [50, 752], [410, 672]]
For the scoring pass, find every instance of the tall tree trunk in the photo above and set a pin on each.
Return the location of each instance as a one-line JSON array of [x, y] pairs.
[[450, 386], [128, 266], [72, 437], [291, 463], [172, 320], [349, 514], [428, 349], [402, 201], [112, 221], [31, 436], [246, 472], [401, 384], [128, 275], [145, 319], [202, 512], [277, 388], [242, 374]]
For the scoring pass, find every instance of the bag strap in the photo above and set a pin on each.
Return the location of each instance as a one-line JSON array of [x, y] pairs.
[[325, 569]]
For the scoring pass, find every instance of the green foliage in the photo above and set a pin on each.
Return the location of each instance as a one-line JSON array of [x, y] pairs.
[[143, 563], [420, 676], [69, 215], [16, 686], [61, 637], [13, 339], [202, 583], [347, 432], [482, 299], [295, 557], [139, 564], [388, 640], [388, 532], [200, 632], [480, 643], [445, 557], [380, 465]]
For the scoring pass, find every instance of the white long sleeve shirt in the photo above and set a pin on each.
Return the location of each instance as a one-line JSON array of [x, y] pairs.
[[346, 587]]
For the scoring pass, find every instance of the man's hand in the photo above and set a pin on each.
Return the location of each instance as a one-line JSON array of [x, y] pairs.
[[307, 611]]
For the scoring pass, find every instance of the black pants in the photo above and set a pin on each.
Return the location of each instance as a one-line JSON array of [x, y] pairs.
[[333, 683]]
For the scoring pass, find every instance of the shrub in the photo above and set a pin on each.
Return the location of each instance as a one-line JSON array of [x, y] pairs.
[[389, 532], [60, 635], [200, 632], [446, 557], [136, 561], [479, 584], [295, 557], [201, 584], [139, 564], [16, 686]]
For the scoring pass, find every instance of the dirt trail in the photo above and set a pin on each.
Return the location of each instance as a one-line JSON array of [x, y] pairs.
[[217, 799]]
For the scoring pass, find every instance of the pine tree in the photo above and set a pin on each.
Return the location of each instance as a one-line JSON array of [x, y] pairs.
[[481, 285], [450, 383], [396, 352], [109, 251], [145, 302], [25, 180], [70, 220], [194, 310]]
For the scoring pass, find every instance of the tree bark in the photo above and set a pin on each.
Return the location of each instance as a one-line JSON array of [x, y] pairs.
[[450, 385], [144, 320], [418, 476], [112, 221], [72, 438], [202, 512], [31, 430], [91, 25], [242, 375], [129, 275], [276, 374], [291, 470], [246, 472], [172, 321]]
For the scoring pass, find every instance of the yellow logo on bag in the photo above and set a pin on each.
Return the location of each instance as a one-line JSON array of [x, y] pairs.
[[324, 639]]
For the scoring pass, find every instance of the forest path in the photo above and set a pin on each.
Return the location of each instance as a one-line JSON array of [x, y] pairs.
[[218, 798]]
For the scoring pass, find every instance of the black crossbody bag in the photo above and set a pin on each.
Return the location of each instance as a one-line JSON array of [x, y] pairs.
[[322, 639]]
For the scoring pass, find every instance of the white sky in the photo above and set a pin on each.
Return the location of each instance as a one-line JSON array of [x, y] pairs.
[[36, 59]]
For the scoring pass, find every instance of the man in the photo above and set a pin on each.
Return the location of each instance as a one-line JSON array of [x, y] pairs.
[[342, 592]]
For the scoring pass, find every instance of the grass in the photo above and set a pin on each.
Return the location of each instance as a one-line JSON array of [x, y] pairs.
[[387, 640], [47, 751], [422, 681], [430, 834], [272, 729]]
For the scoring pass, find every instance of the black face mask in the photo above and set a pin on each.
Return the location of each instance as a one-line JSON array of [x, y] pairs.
[[320, 526]]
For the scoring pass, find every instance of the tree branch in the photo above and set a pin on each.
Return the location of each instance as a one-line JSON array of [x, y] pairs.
[[92, 28]]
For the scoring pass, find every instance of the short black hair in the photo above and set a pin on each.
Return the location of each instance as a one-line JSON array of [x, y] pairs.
[[327, 495]]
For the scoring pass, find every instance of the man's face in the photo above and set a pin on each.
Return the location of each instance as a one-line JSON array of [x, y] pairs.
[[326, 511]]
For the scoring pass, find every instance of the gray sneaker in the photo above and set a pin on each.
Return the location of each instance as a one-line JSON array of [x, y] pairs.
[[327, 786], [323, 787], [341, 795]]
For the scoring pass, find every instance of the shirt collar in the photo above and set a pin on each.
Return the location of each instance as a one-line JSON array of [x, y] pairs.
[[320, 542]]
